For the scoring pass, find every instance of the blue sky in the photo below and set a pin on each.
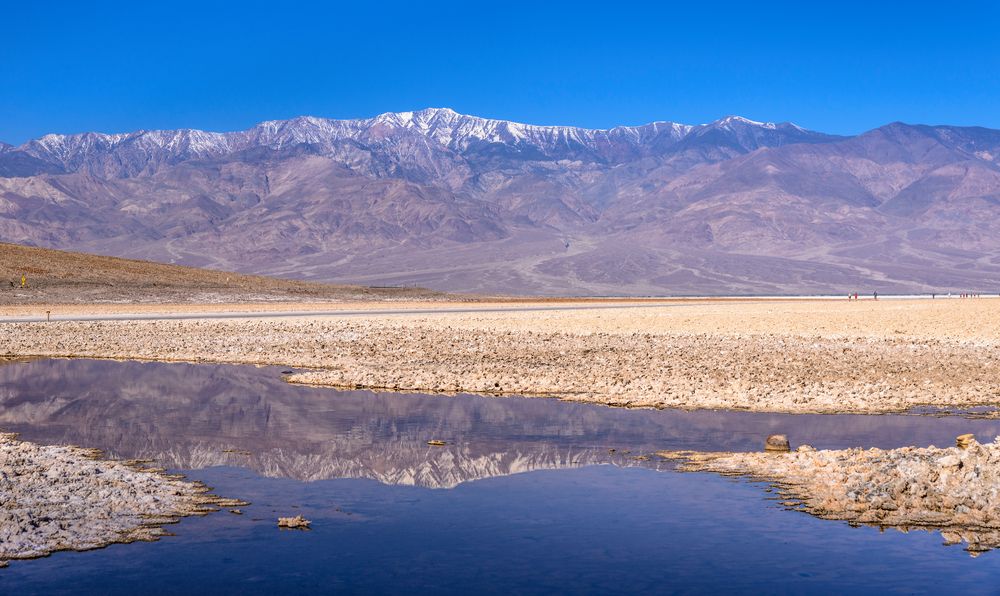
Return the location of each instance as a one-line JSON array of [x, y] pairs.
[[840, 67]]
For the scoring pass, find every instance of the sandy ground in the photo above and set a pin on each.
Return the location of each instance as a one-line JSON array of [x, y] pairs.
[[784, 356], [65, 498], [951, 490]]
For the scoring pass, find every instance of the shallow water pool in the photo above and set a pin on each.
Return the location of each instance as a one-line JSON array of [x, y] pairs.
[[527, 496]]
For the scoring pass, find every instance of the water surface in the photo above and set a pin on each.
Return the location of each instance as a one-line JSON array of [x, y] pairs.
[[529, 495]]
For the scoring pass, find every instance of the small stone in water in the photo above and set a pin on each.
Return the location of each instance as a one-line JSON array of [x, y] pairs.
[[776, 443], [297, 522]]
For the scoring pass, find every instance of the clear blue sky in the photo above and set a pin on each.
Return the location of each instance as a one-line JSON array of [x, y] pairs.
[[840, 67]]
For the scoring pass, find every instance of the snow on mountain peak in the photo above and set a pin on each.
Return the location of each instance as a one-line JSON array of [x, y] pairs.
[[728, 121], [435, 129]]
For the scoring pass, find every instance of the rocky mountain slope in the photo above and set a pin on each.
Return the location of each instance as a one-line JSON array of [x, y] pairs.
[[457, 202]]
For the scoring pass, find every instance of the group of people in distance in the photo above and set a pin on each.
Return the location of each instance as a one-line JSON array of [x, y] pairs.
[[854, 296], [933, 295]]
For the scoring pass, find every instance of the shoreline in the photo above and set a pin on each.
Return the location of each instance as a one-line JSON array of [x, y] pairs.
[[947, 410], [57, 498], [948, 490], [788, 357]]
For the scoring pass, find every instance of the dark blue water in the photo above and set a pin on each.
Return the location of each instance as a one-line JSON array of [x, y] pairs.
[[525, 498]]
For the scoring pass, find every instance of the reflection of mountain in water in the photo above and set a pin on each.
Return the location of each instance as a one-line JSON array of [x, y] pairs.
[[433, 468], [190, 417], [187, 417]]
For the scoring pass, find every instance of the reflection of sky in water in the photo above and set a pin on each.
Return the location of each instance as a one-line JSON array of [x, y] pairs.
[[590, 528]]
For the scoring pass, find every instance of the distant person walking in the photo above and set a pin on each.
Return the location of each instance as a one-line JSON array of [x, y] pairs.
[[875, 294]]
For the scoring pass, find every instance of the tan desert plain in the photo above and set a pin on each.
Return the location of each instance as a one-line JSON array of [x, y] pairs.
[[792, 355]]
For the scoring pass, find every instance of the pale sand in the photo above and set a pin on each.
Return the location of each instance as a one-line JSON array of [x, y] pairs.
[[951, 490], [777, 355]]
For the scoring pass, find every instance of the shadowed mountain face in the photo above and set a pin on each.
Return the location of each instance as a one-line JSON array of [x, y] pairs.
[[457, 202], [195, 416]]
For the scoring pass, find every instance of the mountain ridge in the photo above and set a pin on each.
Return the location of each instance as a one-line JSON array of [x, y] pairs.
[[443, 125], [455, 202]]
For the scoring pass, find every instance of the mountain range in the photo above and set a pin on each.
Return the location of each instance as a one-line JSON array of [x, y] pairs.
[[457, 202]]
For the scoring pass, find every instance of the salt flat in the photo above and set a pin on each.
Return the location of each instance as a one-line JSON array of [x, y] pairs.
[[797, 356], [65, 498]]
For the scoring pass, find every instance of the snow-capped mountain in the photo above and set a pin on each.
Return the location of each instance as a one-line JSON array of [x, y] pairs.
[[396, 136], [458, 202]]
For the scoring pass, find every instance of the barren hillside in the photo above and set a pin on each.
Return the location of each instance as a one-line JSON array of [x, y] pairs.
[[55, 276]]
